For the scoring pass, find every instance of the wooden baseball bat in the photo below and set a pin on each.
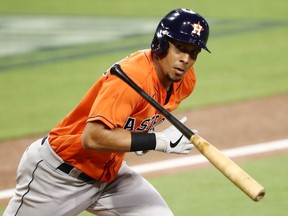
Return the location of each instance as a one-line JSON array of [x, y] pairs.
[[224, 164]]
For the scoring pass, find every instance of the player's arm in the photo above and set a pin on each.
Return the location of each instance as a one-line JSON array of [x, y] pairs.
[[97, 136]]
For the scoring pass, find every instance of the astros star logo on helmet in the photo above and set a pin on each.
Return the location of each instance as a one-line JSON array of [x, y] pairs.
[[197, 28]]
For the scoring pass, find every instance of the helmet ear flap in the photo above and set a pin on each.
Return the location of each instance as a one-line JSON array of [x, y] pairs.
[[159, 43]]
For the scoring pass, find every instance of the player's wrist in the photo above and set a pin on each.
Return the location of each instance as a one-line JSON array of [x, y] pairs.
[[161, 142], [142, 141], [149, 141]]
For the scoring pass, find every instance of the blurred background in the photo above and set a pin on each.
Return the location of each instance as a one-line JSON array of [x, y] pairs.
[[49, 48]]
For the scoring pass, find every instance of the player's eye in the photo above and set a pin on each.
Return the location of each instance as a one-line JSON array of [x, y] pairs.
[[181, 47], [194, 53]]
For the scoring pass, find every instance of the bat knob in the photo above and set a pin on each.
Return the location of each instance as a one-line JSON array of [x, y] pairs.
[[115, 69]]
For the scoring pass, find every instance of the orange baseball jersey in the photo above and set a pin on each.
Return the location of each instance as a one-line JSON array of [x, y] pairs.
[[116, 104]]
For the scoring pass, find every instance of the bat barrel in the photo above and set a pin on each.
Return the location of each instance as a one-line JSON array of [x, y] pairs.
[[231, 170]]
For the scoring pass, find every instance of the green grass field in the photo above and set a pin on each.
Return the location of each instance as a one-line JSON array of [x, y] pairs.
[[248, 40]]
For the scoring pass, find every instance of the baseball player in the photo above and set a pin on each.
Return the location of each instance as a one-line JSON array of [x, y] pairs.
[[79, 165]]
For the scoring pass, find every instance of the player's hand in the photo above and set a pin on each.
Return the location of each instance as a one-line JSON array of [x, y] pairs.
[[171, 140]]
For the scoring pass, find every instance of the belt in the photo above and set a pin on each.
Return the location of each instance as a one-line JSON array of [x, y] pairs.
[[71, 170], [74, 172]]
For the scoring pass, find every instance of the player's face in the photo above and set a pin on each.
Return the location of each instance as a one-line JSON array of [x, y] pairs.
[[179, 59]]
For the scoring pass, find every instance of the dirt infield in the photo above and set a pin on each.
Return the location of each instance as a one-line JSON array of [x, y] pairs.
[[225, 127]]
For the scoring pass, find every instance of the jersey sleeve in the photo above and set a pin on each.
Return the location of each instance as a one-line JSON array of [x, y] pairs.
[[116, 100]]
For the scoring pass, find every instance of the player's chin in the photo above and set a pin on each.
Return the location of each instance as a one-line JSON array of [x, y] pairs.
[[178, 77], [176, 80], [175, 77]]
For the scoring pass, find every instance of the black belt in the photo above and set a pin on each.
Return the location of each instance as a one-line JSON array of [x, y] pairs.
[[67, 168]]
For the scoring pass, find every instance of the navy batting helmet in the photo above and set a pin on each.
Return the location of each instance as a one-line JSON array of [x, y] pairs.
[[183, 25]]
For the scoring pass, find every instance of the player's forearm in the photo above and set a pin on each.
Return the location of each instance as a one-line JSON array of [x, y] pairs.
[[97, 137]]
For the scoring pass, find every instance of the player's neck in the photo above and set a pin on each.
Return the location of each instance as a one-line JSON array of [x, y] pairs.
[[161, 75]]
